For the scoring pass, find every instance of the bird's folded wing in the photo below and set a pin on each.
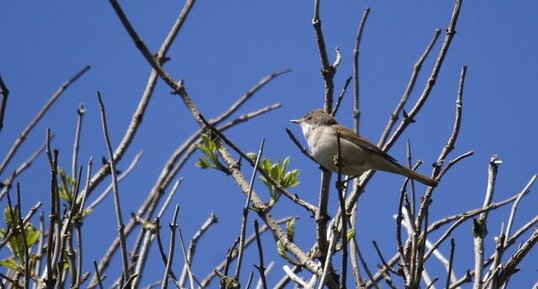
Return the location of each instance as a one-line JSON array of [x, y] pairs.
[[363, 143]]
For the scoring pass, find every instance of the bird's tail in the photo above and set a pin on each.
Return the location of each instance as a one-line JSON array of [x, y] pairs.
[[397, 168]]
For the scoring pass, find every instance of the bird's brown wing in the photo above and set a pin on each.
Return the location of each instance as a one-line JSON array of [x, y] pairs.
[[363, 143]]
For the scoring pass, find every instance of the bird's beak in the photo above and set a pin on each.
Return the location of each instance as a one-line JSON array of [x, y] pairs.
[[297, 120]]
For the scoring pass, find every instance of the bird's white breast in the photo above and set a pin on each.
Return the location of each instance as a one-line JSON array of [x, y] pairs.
[[324, 148]]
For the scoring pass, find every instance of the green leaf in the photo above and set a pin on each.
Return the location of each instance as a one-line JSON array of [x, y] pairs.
[[11, 264], [278, 173], [32, 235], [203, 163], [290, 226], [350, 234]]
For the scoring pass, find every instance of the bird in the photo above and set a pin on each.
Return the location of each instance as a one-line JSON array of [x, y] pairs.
[[358, 155]]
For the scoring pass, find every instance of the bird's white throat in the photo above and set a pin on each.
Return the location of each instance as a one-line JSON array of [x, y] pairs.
[[307, 129]]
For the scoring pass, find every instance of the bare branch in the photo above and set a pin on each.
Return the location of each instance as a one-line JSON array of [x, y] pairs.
[[112, 164], [410, 86], [138, 115], [480, 225], [25, 165], [233, 254], [192, 246], [173, 232], [238, 103], [261, 267], [450, 263], [341, 96], [450, 32], [449, 147], [110, 187], [246, 211], [327, 70], [22, 136], [356, 52], [515, 205], [76, 144]]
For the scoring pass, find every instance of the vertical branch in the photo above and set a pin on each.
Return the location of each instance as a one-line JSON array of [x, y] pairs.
[[342, 201], [4, 91], [52, 243], [451, 262], [327, 70], [245, 212], [173, 229], [356, 99], [261, 267], [98, 275], [354, 250], [112, 164], [479, 225], [76, 144], [322, 216]]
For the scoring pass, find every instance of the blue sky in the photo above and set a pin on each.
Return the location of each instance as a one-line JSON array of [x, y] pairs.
[[225, 48]]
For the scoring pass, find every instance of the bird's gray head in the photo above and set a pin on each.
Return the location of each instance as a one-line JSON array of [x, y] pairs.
[[314, 119]]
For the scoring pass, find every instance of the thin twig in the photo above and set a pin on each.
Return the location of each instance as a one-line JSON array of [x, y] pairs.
[[341, 96], [239, 102], [451, 262], [110, 187], [410, 86], [76, 144], [260, 267], [515, 205], [480, 224], [138, 115], [453, 162], [98, 275], [327, 264], [353, 251], [249, 280], [303, 150], [356, 52], [383, 261], [112, 164], [246, 210], [22, 136], [54, 226], [342, 200], [327, 70], [4, 91], [173, 229], [192, 245], [169, 198], [9, 233], [449, 147], [450, 32], [233, 254], [510, 267], [26, 164]]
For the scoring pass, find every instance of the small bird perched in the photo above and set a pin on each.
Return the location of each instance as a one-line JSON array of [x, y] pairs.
[[358, 155]]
